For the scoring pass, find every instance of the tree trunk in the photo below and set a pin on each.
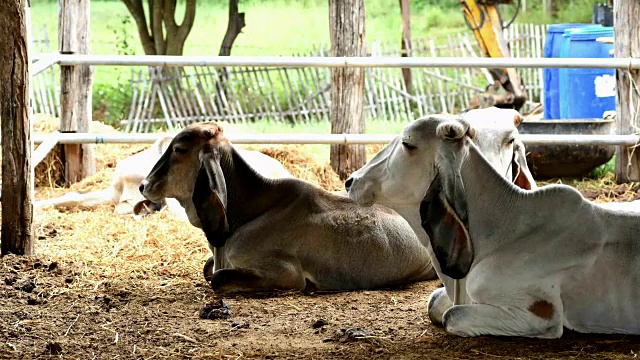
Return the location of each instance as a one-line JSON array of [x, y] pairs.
[[235, 25], [76, 88], [17, 177], [346, 24], [161, 35], [405, 12], [551, 8], [626, 35]]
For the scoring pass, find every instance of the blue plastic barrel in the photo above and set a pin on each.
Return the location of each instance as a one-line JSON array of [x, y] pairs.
[[587, 93], [552, 47]]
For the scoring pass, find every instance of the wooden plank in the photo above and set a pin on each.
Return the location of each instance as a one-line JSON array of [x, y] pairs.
[[187, 94], [266, 72], [321, 88], [441, 90], [261, 97], [347, 34], [15, 112], [295, 92], [203, 92], [420, 94], [626, 34], [467, 75], [42, 65], [387, 76], [310, 98], [234, 98], [176, 91], [211, 81], [147, 96], [405, 12], [287, 95], [427, 80], [75, 87], [254, 104], [133, 107], [43, 149], [457, 72]]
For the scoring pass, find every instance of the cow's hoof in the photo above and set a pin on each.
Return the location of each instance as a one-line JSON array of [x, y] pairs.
[[208, 270]]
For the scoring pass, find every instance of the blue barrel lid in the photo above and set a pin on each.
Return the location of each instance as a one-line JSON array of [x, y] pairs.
[[591, 33], [589, 27], [559, 28]]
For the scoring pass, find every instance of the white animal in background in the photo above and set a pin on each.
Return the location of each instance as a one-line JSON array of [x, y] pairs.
[[400, 174], [124, 190], [274, 234], [559, 261]]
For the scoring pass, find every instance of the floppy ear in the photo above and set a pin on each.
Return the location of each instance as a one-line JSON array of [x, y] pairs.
[[447, 227], [521, 175], [162, 144], [210, 199]]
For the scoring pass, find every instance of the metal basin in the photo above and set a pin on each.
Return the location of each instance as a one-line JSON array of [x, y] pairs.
[[552, 161]]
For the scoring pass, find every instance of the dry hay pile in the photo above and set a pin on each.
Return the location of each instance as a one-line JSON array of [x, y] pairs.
[[602, 190], [302, 164], [49, 172]]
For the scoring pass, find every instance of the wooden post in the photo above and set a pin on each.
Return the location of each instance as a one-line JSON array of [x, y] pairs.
[[626, 34], [347, 32], [17, 175], [405, 11], [75, 87]]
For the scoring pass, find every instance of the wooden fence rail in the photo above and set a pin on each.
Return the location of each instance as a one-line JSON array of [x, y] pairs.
[[177, 96]]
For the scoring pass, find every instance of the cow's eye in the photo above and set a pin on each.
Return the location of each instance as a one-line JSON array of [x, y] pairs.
[[180, 150]]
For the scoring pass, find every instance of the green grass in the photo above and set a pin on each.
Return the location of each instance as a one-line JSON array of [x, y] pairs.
[[374, 126], [604, 169]]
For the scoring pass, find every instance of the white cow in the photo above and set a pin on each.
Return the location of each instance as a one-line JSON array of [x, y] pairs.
[[400, 174], [559, 261]]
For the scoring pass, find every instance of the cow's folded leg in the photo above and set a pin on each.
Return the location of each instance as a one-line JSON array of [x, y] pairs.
[[280, 277], [438, 303], [540, 319]]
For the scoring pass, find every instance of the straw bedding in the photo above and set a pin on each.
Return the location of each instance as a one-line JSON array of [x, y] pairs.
[[108, 286]]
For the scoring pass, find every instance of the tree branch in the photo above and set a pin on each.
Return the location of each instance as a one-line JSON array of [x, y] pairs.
[[187, 23], [170, 17], [235, 25], [137, 12], [157, 9]]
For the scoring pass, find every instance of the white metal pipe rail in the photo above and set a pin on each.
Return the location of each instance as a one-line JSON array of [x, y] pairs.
[[528, 139], [346, 62], [46, 60]]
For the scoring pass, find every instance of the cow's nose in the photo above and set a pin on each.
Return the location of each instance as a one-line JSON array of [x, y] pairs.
[[347, 184], [142, 185]]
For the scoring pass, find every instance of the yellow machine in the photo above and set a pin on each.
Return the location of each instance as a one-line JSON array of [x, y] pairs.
[[485, 20]]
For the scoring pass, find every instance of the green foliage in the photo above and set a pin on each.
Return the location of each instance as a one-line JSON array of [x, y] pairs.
[[123, 38], [604, 169]]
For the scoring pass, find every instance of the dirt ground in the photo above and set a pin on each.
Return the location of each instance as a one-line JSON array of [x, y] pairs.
[[47, 310], [107, 287]]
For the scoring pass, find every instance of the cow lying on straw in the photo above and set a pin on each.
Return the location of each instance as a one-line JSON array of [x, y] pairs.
[[557, 260], [270, 234], [129, 173], [400, 174]]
